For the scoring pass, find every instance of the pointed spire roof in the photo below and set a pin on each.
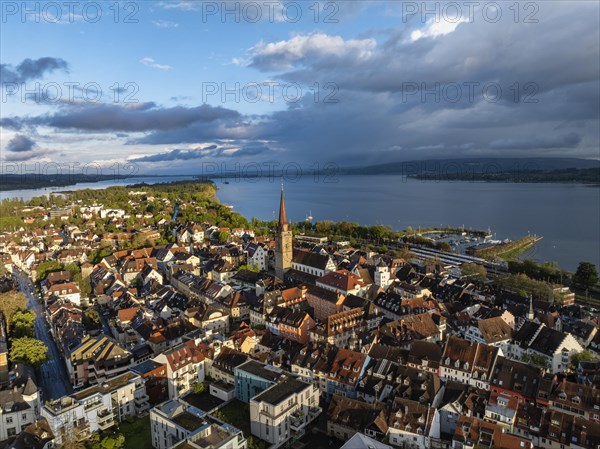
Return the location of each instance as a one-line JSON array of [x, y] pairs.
[[282, 212], [531, 314], [30, 387]]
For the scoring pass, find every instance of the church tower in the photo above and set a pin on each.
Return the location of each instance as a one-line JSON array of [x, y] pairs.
[[283, 240]]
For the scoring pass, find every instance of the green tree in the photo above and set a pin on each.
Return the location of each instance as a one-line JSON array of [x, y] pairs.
[[586, 274], [248, 267], [23, 324], [222, 236], [535, 359], [443, 246], [44, 268], [10, 303], [584, 356], [474, 271], [108, 442], [200, 388], [28, 351]]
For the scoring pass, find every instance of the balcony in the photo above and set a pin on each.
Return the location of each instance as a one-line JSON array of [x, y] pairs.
[[139, 398], [105, 420], [302, 417]]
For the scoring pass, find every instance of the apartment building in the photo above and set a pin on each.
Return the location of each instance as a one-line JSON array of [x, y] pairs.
[[283, 411]]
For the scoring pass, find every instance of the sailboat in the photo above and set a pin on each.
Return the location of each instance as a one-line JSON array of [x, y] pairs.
[[309, 217]]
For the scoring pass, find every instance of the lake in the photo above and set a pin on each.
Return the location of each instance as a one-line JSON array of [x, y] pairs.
[[566, 215]]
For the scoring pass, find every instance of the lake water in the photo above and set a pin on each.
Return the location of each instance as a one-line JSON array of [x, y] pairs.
[[566, 215]]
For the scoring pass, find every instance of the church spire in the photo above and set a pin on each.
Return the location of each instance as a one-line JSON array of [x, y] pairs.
[[282, 213], [530, 315]]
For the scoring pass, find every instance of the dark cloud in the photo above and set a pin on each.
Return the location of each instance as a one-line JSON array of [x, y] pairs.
[[137, 117], [15, 123], [30, 69], [173, 155], [27, 155], [20, 143], [206, 152], [570, 140]]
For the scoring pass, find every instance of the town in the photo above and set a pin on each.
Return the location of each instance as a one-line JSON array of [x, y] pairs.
[[152, 316]]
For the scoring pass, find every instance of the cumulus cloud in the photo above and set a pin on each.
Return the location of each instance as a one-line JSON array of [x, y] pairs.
[[21, 148], [436, 28], [310, 49], [150, 62], [20, 143], [30, 69], [165, 24]]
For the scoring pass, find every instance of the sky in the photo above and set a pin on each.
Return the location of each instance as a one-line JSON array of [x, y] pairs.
[[182, 87]]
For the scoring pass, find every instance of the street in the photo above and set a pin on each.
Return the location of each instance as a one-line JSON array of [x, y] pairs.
[[54, 380]]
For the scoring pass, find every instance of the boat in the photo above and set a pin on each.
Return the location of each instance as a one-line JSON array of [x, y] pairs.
[[309, 217]]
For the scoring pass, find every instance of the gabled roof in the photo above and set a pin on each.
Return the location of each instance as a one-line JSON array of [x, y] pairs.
[[310, 259]]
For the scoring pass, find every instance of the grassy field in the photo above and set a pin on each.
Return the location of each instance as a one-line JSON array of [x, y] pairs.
[[237, 414], [137, 433]]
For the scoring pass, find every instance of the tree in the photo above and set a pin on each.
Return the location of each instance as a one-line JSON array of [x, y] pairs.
[[23, 324], [474, 271], [44, 268], [10, 303], [535, 359], [584, 356], [222, 236], [586, 274], [248, 267], [28, 351], [443, 246], [200, 388], [108, 442]]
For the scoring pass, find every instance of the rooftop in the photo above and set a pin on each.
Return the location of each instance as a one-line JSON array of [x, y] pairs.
[[281, 391]]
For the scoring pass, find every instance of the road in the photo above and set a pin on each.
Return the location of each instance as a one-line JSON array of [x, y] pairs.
[[55, 380]]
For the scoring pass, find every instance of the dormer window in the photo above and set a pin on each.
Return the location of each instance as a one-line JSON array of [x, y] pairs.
[[562, 395], [466, 365], [457, 364], [576, 400], [447, 360]]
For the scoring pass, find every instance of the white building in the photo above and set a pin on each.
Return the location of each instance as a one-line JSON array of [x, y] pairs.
[[96, 408], [19, 407], [283, 411], [534, 339], [185, 367], [175, 423]]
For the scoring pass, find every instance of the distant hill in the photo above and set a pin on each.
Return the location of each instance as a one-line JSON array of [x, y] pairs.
[[474, 166]]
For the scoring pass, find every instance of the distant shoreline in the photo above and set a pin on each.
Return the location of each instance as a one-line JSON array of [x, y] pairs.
[[498, 170]]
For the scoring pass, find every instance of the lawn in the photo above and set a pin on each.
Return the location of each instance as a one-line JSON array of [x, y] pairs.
[[137, 433], [237, 414]]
